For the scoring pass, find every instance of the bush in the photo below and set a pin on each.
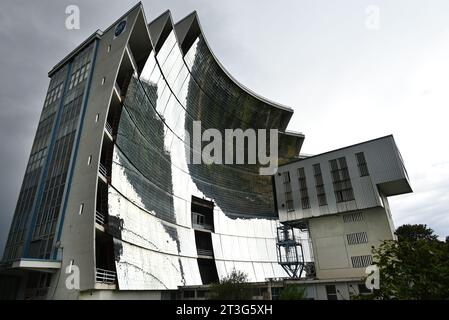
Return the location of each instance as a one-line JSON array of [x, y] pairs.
[[233, 287]]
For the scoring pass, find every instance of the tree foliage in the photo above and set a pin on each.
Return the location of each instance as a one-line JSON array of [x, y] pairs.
[[415, 232], [293, 292], [413, 268], [233, 287]]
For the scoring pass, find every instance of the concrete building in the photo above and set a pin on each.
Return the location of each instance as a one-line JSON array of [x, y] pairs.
[[110, 197], [111, 206], [341, 198]]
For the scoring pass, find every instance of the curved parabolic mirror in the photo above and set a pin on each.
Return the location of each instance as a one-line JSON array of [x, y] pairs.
[[222, 103], [157, 191]]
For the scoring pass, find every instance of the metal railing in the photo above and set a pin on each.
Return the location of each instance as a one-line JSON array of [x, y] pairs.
[[205, 252], [99, 218], [105, 276], [103, 170], [117, 88], [199, 222], [109, 129], [202, 226]]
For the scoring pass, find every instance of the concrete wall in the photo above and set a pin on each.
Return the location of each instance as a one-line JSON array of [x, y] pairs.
[[330, 244]]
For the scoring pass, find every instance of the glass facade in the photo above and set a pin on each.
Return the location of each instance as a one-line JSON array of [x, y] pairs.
[[153, 178]]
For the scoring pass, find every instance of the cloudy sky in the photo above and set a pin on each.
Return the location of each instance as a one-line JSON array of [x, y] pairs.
[[352, 70]]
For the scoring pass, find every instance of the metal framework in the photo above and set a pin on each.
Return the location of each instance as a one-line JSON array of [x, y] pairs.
[[289, 251]]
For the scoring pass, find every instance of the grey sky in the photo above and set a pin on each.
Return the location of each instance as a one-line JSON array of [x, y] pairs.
[[347, 83]]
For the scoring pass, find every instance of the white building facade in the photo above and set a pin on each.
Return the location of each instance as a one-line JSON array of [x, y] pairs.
[[340, 197]]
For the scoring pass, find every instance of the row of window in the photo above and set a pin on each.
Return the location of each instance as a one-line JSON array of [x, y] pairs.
[[54, 94], [340, 178], [79, 75], [331, 291]]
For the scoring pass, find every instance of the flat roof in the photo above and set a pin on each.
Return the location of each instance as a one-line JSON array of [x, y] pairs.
[[339, 149]]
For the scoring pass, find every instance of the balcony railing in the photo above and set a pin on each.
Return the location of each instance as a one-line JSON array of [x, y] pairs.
[[99, 218], [199, 222], [105, 276], [202, 226], [205, 252], [118, 90], [103, 170], [109, 129]]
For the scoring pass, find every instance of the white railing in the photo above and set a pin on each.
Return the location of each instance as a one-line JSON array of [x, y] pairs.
[[119, 91], [202, 226], [103, 170], [99, 218], [205, 252], [109, 128], [105, 276]]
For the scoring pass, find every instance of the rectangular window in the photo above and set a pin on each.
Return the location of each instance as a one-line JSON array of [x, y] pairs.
[[341, 180], [331, 292], [319, 184], [363, 289], [361, 163], [303, 189], [361, 261], [357, 238], [352, 217], [80, 212], [288, 191]]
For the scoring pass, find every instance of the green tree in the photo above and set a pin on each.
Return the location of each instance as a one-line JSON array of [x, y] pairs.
[[414, 268], [415, 232], [233, 287], [292, 292]]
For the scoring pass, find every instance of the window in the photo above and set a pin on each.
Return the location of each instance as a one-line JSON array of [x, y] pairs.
[[352, 217], [103, 80], [331, 292], [198, 218], [89, 160], [109, 48], [361, 163], [341, 180], [275, 293], [303, 189], [79, 75], [189, 294], [361, 261], [80, 212], [357, 238], [288, 191], [97, 117], [363, 289], [319, 184]]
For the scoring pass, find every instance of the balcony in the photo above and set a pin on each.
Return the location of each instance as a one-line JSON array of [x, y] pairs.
[[202, 226], [199, 222], [100, 221], [103, 276], [99, 218], [205, 252], [104, 174], [109, 131]]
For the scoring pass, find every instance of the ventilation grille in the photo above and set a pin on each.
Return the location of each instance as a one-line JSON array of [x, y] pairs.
[[352, 217], [361, 261], [356, 238]]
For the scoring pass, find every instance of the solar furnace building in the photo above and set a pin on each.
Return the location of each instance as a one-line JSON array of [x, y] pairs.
[[110, 206]]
